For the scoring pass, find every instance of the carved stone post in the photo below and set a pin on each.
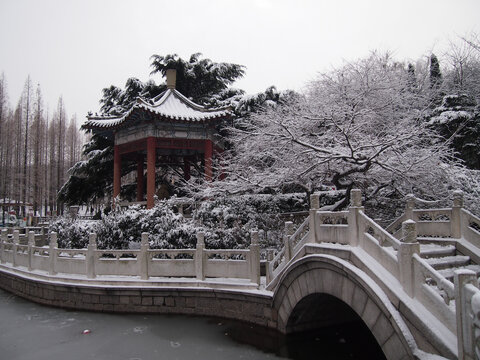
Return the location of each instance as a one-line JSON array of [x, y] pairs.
[[143, 257], [409, 246], [286, 240], [52, 253], [31, 244], [463, 308], [476, 324], [409, 206], [90, 260], [254, 258], [353, 221], [312, 226], [269, 266], [3, 240], [16, 239], [456, 218], [200, 256]]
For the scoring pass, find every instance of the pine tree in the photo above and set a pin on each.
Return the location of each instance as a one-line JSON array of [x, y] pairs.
[[202, 80]]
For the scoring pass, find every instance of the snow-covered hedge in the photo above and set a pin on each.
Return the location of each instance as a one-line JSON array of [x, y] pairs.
[[227, 223]]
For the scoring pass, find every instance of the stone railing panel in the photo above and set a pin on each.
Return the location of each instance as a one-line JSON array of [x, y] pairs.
[[433, 222], [434, 292], [470, 227], [332, 227]]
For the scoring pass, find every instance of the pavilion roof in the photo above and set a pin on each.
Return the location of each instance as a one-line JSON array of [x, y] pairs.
[[171, 105]]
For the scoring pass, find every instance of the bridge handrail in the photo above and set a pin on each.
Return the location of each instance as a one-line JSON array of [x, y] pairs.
[[396, 225], [293, 243], [379, 233], [336, 217], [446, 287], [300, 234], [470, 227], [435, 215], [278, 263]]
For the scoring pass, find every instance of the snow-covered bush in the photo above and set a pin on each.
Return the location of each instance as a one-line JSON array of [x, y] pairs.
[[166, 229], [72, 233], [228, 221]]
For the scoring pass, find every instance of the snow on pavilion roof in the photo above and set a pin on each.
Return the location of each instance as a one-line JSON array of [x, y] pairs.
[[170, 104]]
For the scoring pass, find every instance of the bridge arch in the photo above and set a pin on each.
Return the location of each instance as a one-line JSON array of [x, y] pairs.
[[345, 289]]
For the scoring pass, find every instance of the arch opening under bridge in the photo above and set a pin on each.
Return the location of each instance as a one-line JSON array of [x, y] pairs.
[[322, 290]]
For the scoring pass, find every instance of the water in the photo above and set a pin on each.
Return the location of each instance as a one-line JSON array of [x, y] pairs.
[[31, 331]]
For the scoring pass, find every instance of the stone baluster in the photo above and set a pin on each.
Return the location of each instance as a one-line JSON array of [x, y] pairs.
[[269, 266], [286, 240], [31, 244], [3, 239], [16, 239], [463, 312], [409, 206], [314, 206], [91, 258], [476, 324], [408, 246], [200, 256], [353, 221], [143, 256], [456, 217], [254, 258], [52, 253]]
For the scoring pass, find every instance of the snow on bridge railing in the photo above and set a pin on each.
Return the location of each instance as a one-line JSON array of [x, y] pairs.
[[144, 263], [455, 222], [400, 256], [470, 227], [467, 308], [293, 242]]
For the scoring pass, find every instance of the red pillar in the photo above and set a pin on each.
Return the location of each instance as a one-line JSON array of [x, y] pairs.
[[208, 160], [151, 156], [117, 172], [139, 177], [186, 168]]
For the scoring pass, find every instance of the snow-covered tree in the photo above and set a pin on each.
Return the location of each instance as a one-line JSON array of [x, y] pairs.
[[202, 80], [357, 126]]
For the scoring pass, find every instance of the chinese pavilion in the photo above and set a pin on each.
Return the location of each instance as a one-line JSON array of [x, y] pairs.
[[170, 126]]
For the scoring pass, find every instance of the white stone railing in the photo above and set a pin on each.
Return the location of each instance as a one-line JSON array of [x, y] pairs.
[[467, 308], [144, 263], [293, 242], [470, 228], [456, 305]]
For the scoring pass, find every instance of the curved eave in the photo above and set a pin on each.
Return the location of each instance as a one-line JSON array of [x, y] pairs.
[[112, 123]]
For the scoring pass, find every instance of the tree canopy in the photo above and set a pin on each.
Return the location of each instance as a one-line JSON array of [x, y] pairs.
[[361, 125]]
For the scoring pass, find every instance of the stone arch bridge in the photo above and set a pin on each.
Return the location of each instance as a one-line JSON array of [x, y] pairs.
[[414, 284]]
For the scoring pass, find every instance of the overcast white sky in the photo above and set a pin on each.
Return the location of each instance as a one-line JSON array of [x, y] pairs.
[[76, 48]]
